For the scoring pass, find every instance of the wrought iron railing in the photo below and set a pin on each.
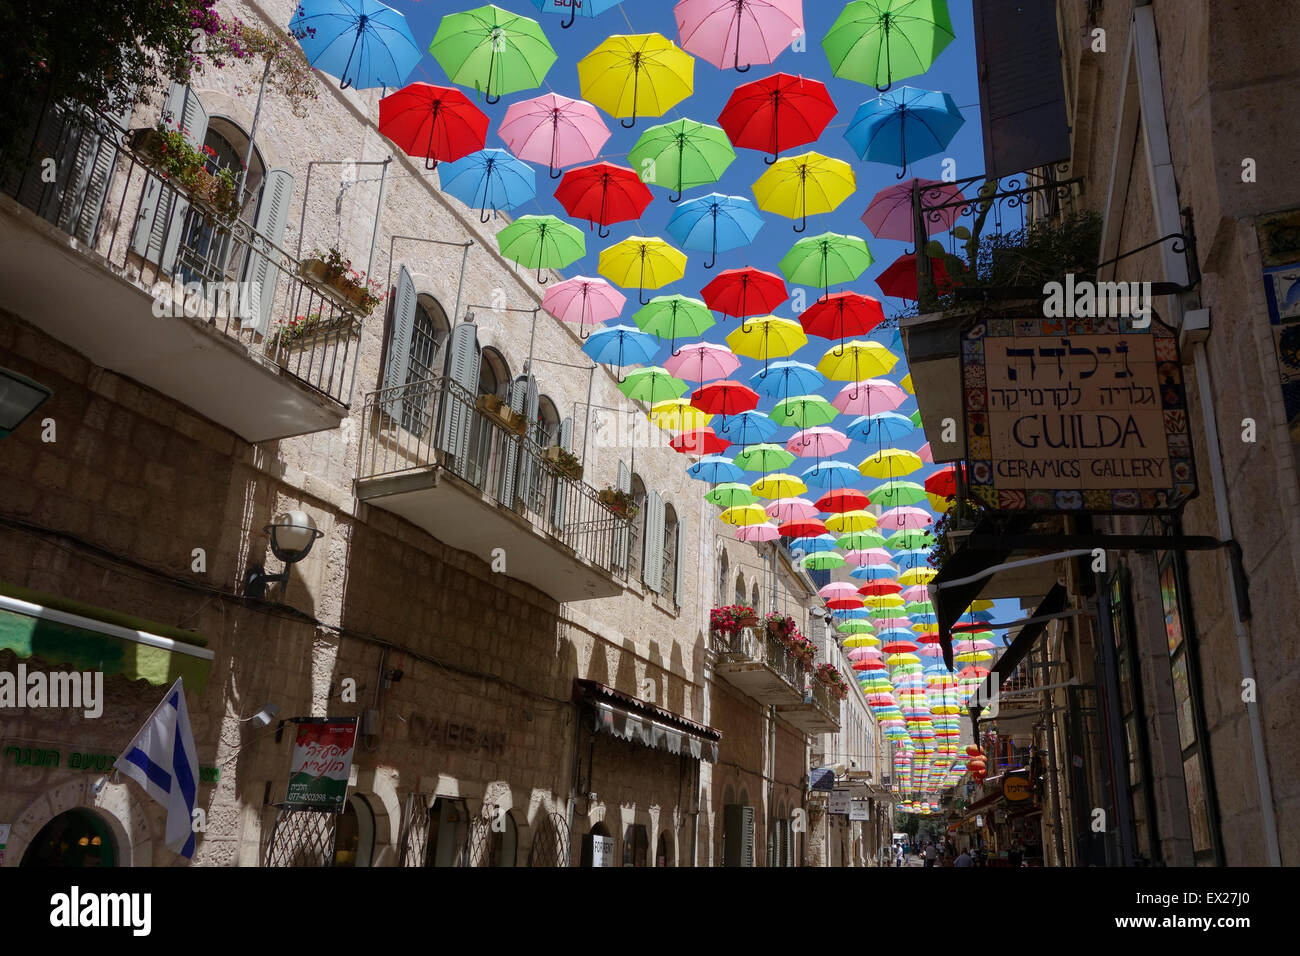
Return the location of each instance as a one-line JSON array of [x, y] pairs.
[[757, 645], [436, 422], [820, 695], [170, 241]]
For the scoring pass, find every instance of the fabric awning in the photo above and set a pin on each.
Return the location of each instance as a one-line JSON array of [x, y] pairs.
[[627, 718], [81, 636], [1052, 603]]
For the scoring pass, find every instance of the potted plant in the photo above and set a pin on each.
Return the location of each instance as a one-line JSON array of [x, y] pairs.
[[301, 328], [168, 150], [566, 463], [620, 502], [803, 651], [732, 618], [331, 271], [829, 675]]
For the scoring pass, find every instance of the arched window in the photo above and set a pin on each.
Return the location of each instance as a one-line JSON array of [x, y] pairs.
[[74, 838], [724, 572], [548, 423], [205, 253], [664, 853], [753, 597], [429, 336], [494, 374], [740, 587], [637, 528], [636, 845], [670, 550], [354, 833]]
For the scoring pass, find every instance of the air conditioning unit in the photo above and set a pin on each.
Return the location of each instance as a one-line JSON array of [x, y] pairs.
[[886, 780]]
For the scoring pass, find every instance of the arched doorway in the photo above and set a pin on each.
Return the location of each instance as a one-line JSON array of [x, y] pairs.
[[354, 833], [448, 833], [75, 838], [664, 852]]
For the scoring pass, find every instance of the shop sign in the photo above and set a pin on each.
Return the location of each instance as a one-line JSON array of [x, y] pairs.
[[1016, 789], [840, 802], [602, 850], [1076, 414], [322, 763], [859, 810]]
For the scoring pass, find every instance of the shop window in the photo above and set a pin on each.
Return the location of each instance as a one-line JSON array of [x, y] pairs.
[[636, 845], [354, 833], [664, 854], [77, 838], [448, 833]]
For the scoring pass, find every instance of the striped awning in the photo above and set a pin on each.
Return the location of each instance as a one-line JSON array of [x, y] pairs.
[[633, 720]]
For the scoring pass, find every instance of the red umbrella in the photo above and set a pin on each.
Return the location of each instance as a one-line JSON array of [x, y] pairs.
[[844, 604], [701, 441], [843, 499], [808, 528], [777, 112], [842, 315], [943, 483], [900, 278], [725, 398], [436, 122], [603, 194], [744, 292], [880, 587]]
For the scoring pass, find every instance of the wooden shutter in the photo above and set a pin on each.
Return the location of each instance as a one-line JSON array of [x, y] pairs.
[[463, 360], [622, 531], [652, 556], [261, 271], [162, 212], [679, 560], [738, 835], [398, 364], [513, 471], [96, 159], [565, 439]]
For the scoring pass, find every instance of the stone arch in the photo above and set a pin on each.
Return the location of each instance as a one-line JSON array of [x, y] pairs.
[[114, 805]]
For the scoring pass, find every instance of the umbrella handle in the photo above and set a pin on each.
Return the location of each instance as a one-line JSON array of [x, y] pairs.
[[603, 232], [641, 296], [555, 173], [636, 83], [772, 161], [541, 279], [344, 82], [430, 165], [555, 144], [573, 15], [484, 217]]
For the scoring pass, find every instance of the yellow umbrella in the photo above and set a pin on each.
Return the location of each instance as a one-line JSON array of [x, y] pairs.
[[941, 504], [743, 515], [972, 657], [643, 74], [647, 263], [849, 521], [678, 414], [915, 576], [857, 360], [890, 463], [893, 660], [778, 486], [979, 604], [767, 338], [799, 186], [906, 383], [879, 601], [862, 640]]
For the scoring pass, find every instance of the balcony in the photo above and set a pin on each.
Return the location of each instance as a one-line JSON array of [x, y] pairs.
[[758, 665], [81, 258], [434, 454], [818, 713]]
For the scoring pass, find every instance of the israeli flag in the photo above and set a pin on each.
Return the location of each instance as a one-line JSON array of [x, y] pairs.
[[162, 759]]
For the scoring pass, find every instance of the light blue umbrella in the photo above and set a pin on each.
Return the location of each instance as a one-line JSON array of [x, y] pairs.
[[851, 613], [715, 222], [783, 379], [489, 179], [715, 470], [621, 345], [747, 428], [908, 560], [883, 427], [576, 8], [832, 475], [361, 42], [874, 572], [904, 125], [822, 542], [895, 634]]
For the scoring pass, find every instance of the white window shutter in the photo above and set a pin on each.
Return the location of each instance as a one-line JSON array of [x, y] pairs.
[[565, 439], [262, 272], [159, 225], [652, 562], [96, 161], [398, 364], [679, 561], [622, 532], [463, 360]]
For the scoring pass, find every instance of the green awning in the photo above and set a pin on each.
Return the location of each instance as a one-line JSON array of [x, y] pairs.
[[84, 637]]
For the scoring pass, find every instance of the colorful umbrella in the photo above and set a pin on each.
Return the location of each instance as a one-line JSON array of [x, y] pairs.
[[438, 123], [906, 519], [727, 32], [585, 301], [555, 130], [804, 185], [783, 486], [817, 442], [886, 426], [541, 242], [748, 428], [831, 475], [814, 543], [792, 509], [575, 8], [842, 315], [702, 362], [678, 414], [856, 360], [362, 43], [725, 398], [492, 50], [893, 39], [900, 279], [714, 470], [642, 74], [744, 515], [603, 194], [890, 214], [681, 155], [764, 458], [777, 112], [766, 339], [741, 293], [910, 539], [890, 463], [647, 263], [758, 533], [841, 500], [850, 521], [804, 411], [652, 385], [620, 345], [904, 125], [786, 378], [670, 317], [716, 223], [699, 441], [894, 493], [826, 260], [868, 397], [489, 179], [728, 494]]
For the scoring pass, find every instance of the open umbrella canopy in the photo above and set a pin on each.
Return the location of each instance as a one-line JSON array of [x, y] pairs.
[[681, 155], [841, 500], [764, 458], [857, 360], [489, 179], [699, 441], [859, 540], [776, 113], [493, 51], [850, 521], [879, 41], [910, 539], [813, 543], [806, 185], [842, 315], [620, 345], [678, 415], [652, 385], [725, 398], [643, 262], [900, 280], [904, 125], [553, 129], [362, 43], [890, 463], [890, 215], [541, 242], [817, 442], [744, 515], [826, 260], [738, 33], [589, 9], [869, 397], [703, 362], [884, 427], [723, 473], [747, 428], [744, 292], [792, 509], [829, 475], [728, 493], [767, 338], [603, 194], [784, 379], [585, 301], [635, 75], [715, 223], [782, 486], [438, 123], [673, 317], [804, 411], [758, 533], [906, 519]]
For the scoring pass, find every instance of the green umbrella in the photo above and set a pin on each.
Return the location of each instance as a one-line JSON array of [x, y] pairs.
[[887, 39], [892, 494], [731, 494], [822, 561], [681, 155], [674, 316], [541, 242], [884, 613], [860, 541], [804, 411], [910, 540], [916, 418], [764, 458], [854, 627], [826, 260], [652, 385], [492, 50], [920, 607]]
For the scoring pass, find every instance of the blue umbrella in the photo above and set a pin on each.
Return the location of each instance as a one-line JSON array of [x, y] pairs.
[[874, 572], [904, 125], [576, 8], [783, 379], [747, 428], [851, 613], [895, 634], [716, 470], [822, 542], [489, 178], [362, 42], [885, 426], [907, 560], [832, 475], [621, 345], [715, 222]]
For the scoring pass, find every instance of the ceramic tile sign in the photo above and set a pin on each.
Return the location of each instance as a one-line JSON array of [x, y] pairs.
[[1076, 414], [322, 763]]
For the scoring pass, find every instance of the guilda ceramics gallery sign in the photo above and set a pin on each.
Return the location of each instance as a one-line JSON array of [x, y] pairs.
[[1076, 414]]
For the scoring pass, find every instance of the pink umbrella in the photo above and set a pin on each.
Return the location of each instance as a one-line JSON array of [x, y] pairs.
[[555, 130], [916, 595], [869, 557], [864, 654], [887, 623], [869, 397], [838, 590], [792, 509], [758, 532], [819, 442], [890, 214], [925, 454], [585, 301], [725, 32], [900, 519], [702, 362]]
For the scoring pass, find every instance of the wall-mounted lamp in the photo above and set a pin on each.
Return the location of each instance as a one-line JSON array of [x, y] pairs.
[[19, 397], [292, 535], [264, 716]]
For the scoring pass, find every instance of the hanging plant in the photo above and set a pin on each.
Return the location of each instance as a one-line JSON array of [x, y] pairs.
[[287, 70]]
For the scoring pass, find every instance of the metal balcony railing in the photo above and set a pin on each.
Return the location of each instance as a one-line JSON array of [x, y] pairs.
[[167, 239], [436, 422], [757, 645], [819, 694]]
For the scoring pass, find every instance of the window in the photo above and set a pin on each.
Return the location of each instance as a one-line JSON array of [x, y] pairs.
[[494, 375], [205, 254], [448, 833], [548, 423], [740, 587], [636, 845], [670, 550], [354, 833], [724, 572], [664, 854], [77, 838], [429, 333], [634, 559]]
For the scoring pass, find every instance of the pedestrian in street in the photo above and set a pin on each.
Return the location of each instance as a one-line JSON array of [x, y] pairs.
[[963, 859], [931, 854], [898, 854]]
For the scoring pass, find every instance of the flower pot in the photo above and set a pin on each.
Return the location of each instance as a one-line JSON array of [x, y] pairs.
[[147, 142], [339, 288], [750, 621]]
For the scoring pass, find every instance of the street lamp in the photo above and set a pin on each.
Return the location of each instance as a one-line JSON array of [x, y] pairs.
[[292, 535], [19, 397]]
